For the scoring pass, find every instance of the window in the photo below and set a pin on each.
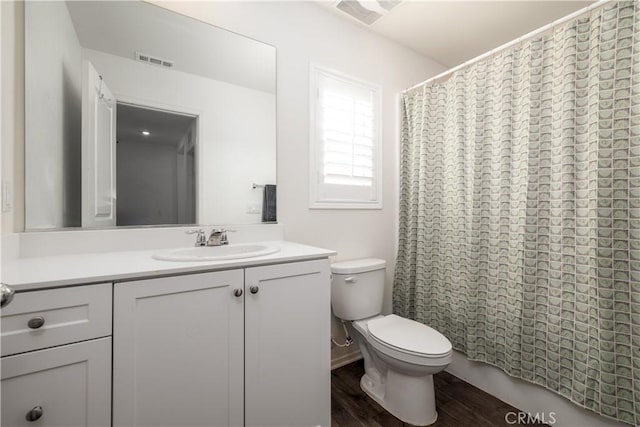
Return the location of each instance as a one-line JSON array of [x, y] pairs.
[[345, 142]]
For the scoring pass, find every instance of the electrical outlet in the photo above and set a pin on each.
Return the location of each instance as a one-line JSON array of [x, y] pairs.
[[7, 202]]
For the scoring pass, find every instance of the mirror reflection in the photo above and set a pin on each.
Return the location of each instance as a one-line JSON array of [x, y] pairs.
[[163, 142], [136, 115]]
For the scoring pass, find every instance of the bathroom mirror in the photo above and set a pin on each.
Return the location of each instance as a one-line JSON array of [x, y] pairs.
[[136, 115]]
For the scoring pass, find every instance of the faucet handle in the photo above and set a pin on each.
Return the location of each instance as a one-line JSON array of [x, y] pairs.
[[218, 237], [201, 238], [223, 238]]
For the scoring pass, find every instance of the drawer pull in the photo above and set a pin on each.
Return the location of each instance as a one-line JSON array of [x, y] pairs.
[[35, 414], [254, 289], [237, 292], [36, 322]]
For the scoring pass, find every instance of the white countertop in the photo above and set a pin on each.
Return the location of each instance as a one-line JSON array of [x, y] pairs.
[[64, 270]]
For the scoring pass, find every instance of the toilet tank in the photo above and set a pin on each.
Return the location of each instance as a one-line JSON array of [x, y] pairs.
[[357, 288]]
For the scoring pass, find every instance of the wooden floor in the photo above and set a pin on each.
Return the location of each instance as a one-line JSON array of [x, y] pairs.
[[459, 404]]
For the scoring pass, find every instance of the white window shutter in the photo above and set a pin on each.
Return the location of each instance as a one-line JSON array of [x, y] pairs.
[[345, 142]]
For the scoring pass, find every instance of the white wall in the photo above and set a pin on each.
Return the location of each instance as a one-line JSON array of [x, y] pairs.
[[236, 135], [147, 185], [305, 33], [12, 120], [53, 98]]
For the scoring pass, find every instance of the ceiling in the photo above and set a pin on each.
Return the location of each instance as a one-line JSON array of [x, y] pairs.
[[164, 127], [124, 27], [452, 32]]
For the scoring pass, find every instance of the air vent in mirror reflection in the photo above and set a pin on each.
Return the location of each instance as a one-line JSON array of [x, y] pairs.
[[143, 57]]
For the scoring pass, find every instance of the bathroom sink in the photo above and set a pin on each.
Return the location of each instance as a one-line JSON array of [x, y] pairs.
[[216, 253]]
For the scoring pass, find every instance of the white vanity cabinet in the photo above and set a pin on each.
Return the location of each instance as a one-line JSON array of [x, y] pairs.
[[56, 364], [178, 351], [241, 347], [287, 351]]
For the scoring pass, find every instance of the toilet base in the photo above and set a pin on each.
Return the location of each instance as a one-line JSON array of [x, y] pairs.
[[409, 398]]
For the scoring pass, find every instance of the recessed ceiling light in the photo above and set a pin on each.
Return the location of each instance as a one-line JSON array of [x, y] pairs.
[[146, 133]]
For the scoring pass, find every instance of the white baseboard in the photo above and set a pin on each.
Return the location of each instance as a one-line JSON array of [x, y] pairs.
[[345, 359]]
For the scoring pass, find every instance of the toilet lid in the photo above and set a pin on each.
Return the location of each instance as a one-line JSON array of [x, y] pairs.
[[409, 335]]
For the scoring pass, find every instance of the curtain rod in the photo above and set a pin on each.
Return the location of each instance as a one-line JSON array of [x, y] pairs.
[[514, 42]]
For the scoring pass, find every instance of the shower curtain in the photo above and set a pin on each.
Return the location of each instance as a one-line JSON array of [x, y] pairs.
[[520, 210]]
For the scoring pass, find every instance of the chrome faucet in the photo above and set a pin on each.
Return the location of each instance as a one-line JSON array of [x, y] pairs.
[[201, 238], [218, 237]]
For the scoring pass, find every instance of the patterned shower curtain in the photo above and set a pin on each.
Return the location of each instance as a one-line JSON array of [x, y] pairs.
[[520, 210]]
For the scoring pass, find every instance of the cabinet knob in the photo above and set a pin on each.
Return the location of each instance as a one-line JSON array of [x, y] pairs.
[[7, 294], [254, 289], [36, 322], [35, 414], [237, 292]]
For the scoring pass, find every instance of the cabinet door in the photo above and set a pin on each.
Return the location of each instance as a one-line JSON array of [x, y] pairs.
[[65, 386], [178, 351], [287, 348]]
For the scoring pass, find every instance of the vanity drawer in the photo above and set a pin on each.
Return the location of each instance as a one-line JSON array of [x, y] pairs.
[[40, 319]]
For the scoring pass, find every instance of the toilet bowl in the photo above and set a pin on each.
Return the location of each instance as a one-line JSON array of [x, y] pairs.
[[400, 355]]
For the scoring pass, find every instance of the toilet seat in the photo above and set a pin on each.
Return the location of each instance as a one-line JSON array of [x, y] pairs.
[[408, 337]]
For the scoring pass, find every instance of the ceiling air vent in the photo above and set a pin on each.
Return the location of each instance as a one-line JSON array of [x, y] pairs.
[[143, 57], [367, 11]]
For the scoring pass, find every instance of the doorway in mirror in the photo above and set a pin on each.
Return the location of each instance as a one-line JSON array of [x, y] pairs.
[[155, 166]]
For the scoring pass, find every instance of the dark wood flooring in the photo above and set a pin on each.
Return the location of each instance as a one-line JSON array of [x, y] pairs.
[[459, 403]]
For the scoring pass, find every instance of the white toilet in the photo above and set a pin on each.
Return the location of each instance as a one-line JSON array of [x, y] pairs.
[[400, 355]]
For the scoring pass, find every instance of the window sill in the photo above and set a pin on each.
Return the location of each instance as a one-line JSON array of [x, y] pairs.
[[345, 205]]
